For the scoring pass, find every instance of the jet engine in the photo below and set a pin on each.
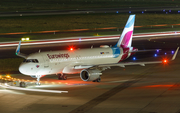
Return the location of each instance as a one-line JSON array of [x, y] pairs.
[[90, 74]]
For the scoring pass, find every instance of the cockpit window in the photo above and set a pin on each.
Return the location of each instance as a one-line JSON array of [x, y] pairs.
[[31, 60]]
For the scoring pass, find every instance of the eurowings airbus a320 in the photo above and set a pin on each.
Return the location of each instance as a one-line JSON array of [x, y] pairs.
[[88, 62]]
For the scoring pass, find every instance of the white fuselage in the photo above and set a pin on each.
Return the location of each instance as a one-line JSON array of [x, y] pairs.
[[54, 62]]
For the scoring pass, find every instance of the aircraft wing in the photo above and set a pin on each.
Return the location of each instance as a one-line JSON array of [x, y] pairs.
[[123, 64]]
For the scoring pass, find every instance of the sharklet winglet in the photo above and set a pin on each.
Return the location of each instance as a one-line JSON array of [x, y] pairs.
[[18, 51], [175, 54]]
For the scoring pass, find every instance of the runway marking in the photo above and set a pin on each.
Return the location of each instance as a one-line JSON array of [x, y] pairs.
[[36, 90], [94, 102]]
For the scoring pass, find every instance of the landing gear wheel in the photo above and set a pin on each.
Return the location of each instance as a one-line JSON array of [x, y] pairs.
[[64, 77], [97, 80], [22, 84], [38, 83], [59, 77]]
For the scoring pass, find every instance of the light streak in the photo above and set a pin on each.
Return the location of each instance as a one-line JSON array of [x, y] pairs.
[[36, 90], [92, 38]]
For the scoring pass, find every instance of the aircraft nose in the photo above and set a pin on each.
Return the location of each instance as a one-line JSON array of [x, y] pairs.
[[26, 69], [22, 69]]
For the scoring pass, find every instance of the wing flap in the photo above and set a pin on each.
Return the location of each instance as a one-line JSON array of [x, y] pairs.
[[143, 50], [129, 63]]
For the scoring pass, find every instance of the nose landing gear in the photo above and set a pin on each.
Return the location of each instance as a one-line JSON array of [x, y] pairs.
[[38, 79], [97, 80]]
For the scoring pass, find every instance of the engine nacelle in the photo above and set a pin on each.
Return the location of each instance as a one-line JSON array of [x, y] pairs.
[[90, 74], [33, 76]]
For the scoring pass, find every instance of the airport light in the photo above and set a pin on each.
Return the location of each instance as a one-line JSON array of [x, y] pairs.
[[134, 58], [22, 39], [155, 55], [8, 76], [25, 39]]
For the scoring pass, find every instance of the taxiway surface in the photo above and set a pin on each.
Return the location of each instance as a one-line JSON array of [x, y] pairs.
[[134, 89]]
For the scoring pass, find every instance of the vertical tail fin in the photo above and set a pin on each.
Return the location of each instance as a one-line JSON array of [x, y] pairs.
[[126, 37]]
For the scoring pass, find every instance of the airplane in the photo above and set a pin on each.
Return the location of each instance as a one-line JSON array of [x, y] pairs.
[[88, 62]]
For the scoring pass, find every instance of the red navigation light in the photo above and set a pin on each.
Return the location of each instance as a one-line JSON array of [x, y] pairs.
[[165, 61], [71, 49]]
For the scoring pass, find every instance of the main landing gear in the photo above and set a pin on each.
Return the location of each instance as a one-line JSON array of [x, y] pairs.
[[97, 80], [62, 77], [22, 84]]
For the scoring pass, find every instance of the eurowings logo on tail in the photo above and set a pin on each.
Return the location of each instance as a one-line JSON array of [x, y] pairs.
[[126, 36]]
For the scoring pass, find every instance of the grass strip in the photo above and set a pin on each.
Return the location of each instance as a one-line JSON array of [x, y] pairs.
[[88, 33], [80, 21], [9, 65]]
